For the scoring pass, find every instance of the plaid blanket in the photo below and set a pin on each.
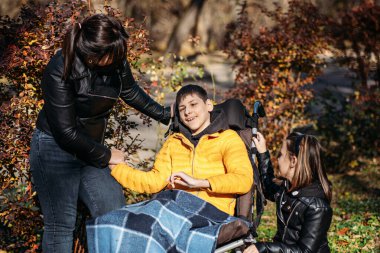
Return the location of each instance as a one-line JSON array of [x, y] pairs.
[[173, 221]]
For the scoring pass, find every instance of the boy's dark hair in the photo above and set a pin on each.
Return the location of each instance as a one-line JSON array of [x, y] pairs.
[[191, 89]]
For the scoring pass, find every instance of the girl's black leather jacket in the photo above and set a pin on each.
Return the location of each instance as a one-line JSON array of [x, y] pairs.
[[303, 216], [76, 111]]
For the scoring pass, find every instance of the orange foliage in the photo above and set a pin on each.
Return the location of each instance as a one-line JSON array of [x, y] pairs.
[[277, 65]]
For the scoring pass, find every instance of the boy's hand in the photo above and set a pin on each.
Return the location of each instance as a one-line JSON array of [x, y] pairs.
[[117, 156], [251, 249], [260, 143], [182, 178]]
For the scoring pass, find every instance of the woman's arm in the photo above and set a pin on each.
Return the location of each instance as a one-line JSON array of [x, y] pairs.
[[146, 181], [60, 112], [136, 97]]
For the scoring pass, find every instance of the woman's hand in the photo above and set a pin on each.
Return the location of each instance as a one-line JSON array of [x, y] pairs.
[[260, 143], [117, 156], [172, 109], [183, 179], [251, 249]]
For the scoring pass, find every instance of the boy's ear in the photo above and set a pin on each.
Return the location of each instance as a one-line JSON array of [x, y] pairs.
[[210, 105]]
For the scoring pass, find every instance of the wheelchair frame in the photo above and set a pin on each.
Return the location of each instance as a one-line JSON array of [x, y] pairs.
[[245, 203]]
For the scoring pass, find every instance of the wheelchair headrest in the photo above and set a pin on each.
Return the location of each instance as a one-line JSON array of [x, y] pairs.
[[237, 115]]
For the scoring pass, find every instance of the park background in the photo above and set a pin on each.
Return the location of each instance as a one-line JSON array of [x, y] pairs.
[[315, 65]]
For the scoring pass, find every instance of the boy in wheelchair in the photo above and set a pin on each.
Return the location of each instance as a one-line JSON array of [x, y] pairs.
[[206, 161]]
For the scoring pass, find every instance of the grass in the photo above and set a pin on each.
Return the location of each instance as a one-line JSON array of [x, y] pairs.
[[356, 221]]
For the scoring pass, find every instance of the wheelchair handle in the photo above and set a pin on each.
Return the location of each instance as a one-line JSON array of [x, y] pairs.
[[258, 111]]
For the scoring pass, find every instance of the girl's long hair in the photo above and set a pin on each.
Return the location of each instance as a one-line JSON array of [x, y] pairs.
[[309, 165], [97, 36]]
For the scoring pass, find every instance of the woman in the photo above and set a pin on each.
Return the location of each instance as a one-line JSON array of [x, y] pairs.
[[68, 158]]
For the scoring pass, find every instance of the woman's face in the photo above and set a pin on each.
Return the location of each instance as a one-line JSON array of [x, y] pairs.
[[105, 61], [286, 162]]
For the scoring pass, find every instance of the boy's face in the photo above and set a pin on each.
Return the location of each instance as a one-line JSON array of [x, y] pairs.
[[194, 113]]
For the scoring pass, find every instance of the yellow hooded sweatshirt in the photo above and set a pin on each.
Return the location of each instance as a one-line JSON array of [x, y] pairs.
[[221, 158]]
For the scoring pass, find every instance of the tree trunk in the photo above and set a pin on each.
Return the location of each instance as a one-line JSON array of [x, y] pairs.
[[186, 25]]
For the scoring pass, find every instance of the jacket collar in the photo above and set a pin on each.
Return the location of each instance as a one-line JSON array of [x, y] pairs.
[[312, 190], [79, 69], [187, 142]]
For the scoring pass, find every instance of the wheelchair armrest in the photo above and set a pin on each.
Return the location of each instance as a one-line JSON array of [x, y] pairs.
[[232, 231], [236, 244]]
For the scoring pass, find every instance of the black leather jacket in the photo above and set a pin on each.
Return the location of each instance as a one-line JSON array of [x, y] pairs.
[[76, 111], [303, 216]]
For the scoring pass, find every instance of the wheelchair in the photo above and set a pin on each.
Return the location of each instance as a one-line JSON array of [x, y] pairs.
[[249, 207]]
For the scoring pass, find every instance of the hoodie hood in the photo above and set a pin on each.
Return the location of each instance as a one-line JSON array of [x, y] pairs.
[[218, 123]]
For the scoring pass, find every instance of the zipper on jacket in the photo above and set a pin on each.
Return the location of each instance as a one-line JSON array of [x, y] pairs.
[[193, 158], [121, 82], [279, 212], [192, 168], [287, 222], [104, 130], [192, 163], [92, 81]]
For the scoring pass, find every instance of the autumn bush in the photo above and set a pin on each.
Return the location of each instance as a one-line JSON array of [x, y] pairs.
[[23, 58], [353, 138], [26, 45], [355, 35], [278, 64]]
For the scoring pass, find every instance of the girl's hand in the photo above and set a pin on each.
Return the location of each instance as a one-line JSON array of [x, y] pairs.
[[251, 249], [183, 179], [260, 143]]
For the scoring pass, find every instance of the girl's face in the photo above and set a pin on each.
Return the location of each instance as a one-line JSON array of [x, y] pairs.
[[286, 162]]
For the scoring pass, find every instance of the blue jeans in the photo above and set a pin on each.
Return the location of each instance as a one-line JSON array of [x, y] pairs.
[[60, 179]]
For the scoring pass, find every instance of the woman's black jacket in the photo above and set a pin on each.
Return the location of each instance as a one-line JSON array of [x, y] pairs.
[[303, 216], [76, 111]]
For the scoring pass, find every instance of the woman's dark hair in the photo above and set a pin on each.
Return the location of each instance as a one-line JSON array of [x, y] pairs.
[[191, 89], [309, 165], [95, 37]]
